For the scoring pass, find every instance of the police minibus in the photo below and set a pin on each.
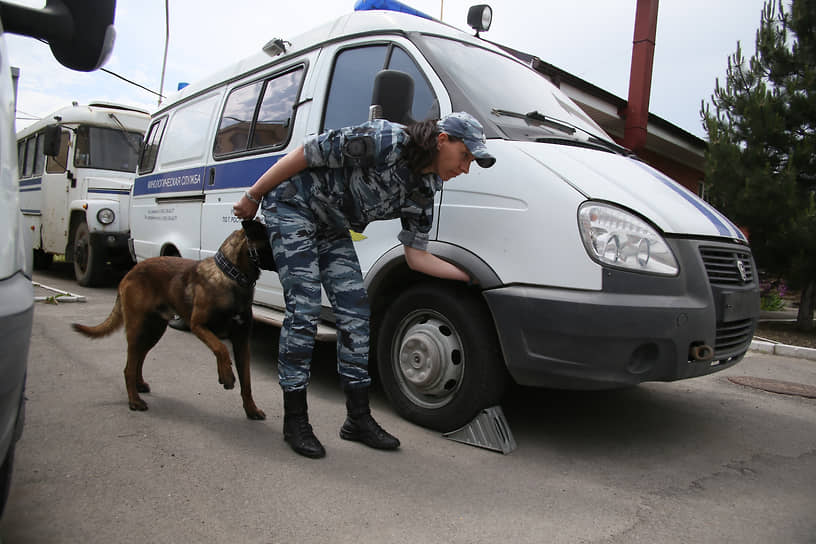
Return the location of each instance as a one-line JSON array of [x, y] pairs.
[[594, 270], [76, 167]]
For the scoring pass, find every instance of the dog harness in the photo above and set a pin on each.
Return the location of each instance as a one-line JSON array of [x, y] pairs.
[[233, 272]]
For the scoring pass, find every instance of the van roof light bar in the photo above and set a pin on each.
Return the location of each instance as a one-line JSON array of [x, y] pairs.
[[389, 5]]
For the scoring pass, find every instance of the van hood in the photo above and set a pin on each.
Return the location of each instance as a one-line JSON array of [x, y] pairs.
[[633, 184]]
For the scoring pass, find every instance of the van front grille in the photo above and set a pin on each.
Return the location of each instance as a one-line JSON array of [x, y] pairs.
[[732, 337], [726, 266]]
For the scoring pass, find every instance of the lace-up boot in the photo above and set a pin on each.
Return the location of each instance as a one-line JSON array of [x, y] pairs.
[[361, 427], [296, 429]]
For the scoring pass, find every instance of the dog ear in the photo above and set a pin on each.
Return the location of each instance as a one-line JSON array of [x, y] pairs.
[[254, 230]]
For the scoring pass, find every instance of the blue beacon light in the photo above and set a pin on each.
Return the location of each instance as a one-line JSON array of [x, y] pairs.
[[389, 5]]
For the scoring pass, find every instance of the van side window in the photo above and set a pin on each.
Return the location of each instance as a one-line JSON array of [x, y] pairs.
[[353, 82], [57, 165], [258, 115], [147, 161], [187, 133]]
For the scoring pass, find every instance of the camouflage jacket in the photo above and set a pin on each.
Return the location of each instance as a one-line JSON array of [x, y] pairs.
[[356, 175]]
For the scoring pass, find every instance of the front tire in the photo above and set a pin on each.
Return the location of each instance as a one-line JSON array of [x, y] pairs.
[[438, 356], [89, 261]]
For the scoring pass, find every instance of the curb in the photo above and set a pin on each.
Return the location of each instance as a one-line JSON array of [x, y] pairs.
[[785, 350]]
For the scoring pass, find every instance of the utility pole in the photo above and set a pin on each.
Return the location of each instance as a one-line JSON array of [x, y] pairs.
[[166, 43]]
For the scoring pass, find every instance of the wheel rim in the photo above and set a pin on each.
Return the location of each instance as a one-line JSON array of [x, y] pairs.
[[81, 252], [428, 359]]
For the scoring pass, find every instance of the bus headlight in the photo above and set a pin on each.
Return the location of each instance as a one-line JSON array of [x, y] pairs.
[[105, 216], [615, 237]]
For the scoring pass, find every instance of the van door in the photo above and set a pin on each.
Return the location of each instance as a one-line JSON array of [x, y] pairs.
[[255, 129], [167, 199], [355, 65]]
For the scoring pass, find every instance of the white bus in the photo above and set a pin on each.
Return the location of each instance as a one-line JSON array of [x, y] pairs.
[[594, 270], [76, 167]]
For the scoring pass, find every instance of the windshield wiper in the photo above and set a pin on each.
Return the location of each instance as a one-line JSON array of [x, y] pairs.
[[539, 117], [563, 126], [125, 133]]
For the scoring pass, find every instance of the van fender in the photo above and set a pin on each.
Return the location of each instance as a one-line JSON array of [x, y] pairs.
[[90, 209], [393, 261]]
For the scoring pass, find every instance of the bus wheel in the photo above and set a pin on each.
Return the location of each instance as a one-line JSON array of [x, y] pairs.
[[438, 356], [42, 259], [89, 262]]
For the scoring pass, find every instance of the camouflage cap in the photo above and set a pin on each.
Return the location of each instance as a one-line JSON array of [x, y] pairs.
[[462, 125]]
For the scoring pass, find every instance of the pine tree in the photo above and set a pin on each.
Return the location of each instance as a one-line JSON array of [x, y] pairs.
[[761, 159]]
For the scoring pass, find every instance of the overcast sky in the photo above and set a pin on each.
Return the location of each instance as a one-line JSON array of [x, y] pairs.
[[591, 39]]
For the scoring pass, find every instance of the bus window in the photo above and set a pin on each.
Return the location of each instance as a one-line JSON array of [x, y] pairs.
[[21, 147], [31, 155], [57, 165], [39, 160], [107, 148]]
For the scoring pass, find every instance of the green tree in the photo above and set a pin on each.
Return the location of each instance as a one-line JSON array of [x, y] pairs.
[[761, 158]]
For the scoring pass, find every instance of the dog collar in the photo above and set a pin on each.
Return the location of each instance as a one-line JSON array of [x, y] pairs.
[[232, 271]]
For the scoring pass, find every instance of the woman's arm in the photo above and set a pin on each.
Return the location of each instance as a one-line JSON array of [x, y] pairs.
[[430, 264], [292, 163]]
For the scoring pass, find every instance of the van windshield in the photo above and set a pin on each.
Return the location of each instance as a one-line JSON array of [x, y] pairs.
[[107, 148], [495, 85]]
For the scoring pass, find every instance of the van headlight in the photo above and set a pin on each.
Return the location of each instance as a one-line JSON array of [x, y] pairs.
[[615, 237], [105, 216]]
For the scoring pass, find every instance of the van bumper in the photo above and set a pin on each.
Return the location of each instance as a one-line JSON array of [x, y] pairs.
[[573, 339]]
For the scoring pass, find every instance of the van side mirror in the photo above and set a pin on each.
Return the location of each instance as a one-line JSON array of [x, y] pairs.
[[53, 136], [393, 97], [80, 32]]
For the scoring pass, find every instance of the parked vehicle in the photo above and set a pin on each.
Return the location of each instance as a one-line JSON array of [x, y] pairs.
[[76, 168], [81, 36], [594, 269]]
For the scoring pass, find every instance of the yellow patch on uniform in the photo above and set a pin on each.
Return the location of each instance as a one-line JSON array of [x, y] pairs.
[[356, 236]]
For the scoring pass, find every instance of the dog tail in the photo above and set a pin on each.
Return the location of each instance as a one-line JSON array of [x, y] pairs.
[[111, 324]]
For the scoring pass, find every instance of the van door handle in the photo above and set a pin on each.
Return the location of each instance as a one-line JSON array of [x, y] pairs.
[[211, 182]]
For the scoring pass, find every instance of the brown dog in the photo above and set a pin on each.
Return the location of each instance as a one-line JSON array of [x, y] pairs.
[[213, 295]]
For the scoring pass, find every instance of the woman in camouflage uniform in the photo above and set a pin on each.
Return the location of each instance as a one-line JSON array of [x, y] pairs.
[[339, 180]]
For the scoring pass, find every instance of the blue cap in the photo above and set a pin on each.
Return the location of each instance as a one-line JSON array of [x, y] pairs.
[[462, 125]]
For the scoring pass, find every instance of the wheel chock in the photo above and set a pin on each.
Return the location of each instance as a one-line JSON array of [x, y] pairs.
[[489, 430]]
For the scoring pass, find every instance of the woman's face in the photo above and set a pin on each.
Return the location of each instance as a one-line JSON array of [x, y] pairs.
[[453, 158]]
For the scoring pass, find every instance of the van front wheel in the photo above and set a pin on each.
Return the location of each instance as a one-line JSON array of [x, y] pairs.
[[89, 261], [438, 356]]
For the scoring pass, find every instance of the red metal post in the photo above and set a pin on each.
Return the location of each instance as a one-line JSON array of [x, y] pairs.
[[640, 76]]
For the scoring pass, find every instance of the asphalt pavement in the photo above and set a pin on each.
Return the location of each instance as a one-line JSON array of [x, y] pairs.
[[701, 460]]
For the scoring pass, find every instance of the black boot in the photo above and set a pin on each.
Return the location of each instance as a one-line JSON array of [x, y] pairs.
[[296, 429], [361, 427]]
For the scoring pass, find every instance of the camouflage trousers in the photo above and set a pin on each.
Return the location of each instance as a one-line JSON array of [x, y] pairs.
[[309, 255]]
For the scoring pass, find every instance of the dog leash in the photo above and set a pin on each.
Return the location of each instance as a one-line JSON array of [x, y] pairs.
[[232, 271]]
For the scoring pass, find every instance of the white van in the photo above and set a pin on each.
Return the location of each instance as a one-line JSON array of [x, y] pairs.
[[594, 269], [76, 167], [81, 35]]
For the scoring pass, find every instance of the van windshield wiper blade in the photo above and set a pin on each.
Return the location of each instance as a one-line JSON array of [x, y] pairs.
[[538, 117], [563, 126]]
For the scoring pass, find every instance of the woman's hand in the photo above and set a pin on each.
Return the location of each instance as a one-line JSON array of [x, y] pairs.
[[245, 208]]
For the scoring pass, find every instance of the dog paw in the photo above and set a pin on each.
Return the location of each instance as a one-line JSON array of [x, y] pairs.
[[228, 383], [138, 405], [143, 387], [256, 414]]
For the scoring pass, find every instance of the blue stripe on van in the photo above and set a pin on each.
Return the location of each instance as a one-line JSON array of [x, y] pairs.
[[229, 175], [30, 182], [180, 181], [719, 222], [109, 191]]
